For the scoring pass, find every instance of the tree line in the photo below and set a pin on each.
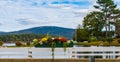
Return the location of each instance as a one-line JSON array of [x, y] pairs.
[[20, 37]]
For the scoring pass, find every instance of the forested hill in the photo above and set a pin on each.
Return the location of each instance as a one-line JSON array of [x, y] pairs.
[[52, 30], [1, 33]]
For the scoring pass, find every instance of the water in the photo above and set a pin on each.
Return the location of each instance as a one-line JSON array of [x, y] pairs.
[[9, 44]]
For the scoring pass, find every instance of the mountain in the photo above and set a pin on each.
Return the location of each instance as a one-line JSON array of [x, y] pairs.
[[52, 30], [1, 33]]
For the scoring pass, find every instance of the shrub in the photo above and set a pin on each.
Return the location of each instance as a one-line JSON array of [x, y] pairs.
[[92, 39], [118, 40], [109, 40], [1, 43], [35, 41], [28, 43], [20, 44]]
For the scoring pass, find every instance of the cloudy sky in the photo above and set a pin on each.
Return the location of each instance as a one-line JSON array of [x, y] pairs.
[[22, 14]]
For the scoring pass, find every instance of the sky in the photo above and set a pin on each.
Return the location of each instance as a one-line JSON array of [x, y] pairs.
[[23, 14]]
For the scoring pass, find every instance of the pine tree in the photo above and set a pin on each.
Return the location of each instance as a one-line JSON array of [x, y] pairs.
[[107, 7]]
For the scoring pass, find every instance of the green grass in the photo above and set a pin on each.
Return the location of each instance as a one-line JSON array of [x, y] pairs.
[[97, 43]]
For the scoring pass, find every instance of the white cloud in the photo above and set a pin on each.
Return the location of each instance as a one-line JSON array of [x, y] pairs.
[[22, 14]]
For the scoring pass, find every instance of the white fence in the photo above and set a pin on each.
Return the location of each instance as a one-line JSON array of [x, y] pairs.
[[47, 53], [13, 52], [98, 52], [76, 52], [34, 53]]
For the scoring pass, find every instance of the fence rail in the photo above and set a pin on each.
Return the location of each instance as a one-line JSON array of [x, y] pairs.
[[75, 52], [13, 52], [97, 52]]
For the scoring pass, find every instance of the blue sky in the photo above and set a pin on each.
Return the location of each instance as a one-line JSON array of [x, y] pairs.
[[22, 14]]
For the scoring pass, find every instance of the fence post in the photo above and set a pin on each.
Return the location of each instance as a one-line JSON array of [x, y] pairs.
[[29, 53], [92, 59], [114, 55]]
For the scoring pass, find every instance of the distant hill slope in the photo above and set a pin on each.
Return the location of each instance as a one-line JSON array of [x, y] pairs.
[[1, 33], [52, 30]]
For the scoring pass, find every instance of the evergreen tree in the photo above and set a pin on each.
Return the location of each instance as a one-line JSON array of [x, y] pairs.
[[107, 7], [94, 24]]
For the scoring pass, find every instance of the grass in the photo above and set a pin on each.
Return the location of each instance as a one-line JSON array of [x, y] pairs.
[[99, 43]]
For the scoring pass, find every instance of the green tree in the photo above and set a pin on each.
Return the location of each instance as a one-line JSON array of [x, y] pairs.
[[94, 24], [81, 35], [108, 8], [117, 29], [117, 22]]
